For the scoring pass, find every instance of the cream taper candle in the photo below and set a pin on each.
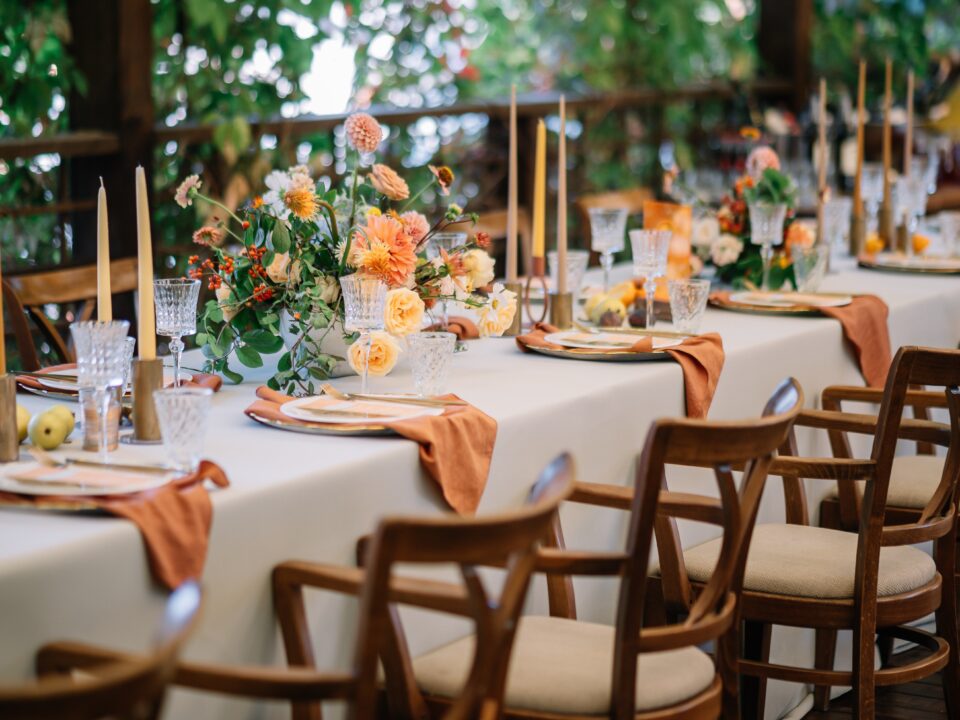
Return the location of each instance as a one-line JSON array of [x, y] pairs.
[[147, 319], [512, 191], [104, 294], [562, 201]]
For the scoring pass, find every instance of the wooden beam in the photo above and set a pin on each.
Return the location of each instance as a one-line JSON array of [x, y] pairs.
[[783, 42], [81, 143]]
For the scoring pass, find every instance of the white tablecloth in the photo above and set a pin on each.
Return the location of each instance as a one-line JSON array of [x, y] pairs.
[[294, 496]]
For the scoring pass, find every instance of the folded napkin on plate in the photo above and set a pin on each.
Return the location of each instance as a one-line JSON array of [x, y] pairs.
[[864, 325], [197, 379], [463, 328], [700, 358], [174, 520], [455, 448]]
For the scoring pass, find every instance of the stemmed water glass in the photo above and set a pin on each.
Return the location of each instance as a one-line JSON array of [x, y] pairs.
[[363, 299], [101, 360], [445, 242], [766, 230], [176, 303], [576, 268], [871, 190], [836, 223], [650, 250], [607, 229]]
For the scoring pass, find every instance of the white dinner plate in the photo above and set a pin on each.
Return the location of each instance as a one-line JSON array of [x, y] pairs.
[[367, 411], [47, 483], [920, 262], [789, 299], [606, 341], [53, 384]]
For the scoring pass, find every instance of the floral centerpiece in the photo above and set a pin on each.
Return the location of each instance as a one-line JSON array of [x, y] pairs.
[[274, 268], [724, 240]]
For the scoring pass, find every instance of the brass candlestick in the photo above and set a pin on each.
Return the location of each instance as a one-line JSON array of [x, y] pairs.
[[147, 379], [517, 324], [538, 267], [858, 234], [561, 310], [9, 441], [886, 229], [903, 238]]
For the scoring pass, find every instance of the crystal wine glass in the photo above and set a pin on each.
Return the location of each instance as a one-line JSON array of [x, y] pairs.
[[182, 414], [766, 230], [871, 190], [445, 242], [650, 250], [176, 303], [101, 359], [607, 229], [836, 223], [950, 232], [576, 268], [363, 299]]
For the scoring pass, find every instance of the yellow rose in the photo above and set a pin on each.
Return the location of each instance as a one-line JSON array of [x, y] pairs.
[[478, 266], [384, 351], [403, 312]]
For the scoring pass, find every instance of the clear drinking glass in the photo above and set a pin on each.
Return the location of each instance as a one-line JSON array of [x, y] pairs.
[[363, 300], [445, 242], [128, 364], [101, 361], [182, 413], [810, 266], [608, 226], [950, 232], [766, 230], [176, 304], [836, 223], [430, 356], [688, 300], [871, 190], [650, 250], [576, 267]]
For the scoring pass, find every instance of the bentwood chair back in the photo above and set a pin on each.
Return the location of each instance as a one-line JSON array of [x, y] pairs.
[[562, 667], [126, 689], [26, 296]]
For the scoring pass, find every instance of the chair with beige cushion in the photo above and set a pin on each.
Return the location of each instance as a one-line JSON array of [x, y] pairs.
[[565, 668], [871, 582]]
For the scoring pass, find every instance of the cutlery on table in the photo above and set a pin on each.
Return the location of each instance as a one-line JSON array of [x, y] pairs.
[[427, 402]]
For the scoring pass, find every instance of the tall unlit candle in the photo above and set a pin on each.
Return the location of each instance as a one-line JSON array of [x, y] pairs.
[[104, 295], [562, 201], [512, 191], [908, 135], [146, 319], [861, 119], [540, 191]]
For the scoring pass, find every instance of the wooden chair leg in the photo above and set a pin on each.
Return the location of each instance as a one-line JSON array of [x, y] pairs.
[[826, 648], [864, 677], [728, 653], [947, 622], [753, 690], [885, 643], [654, 608]]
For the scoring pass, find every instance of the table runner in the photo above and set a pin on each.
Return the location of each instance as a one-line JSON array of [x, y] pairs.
[[174, 520], [197, 379], [455, 447], [700, 358]]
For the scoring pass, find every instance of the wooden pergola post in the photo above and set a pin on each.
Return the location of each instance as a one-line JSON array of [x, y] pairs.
[[783, 42], [113, 48]]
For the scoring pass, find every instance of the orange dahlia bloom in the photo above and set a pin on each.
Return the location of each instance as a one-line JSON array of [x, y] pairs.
[[384, 249]]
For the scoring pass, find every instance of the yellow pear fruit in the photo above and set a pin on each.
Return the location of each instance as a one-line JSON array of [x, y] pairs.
[[66, 416], [23, 419], [608, 304], [47, 430], [626, 292], [590, 305]]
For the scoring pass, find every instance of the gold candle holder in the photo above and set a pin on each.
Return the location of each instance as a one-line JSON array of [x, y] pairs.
[[903, 238], [9, 441], [516, 325], [886, 228], [147, 379], [561, 310], [858, 234]]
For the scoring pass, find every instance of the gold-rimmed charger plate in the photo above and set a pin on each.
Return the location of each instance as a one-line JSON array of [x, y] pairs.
[[888, 262], [793, 311], [372, 430], [47, 504]]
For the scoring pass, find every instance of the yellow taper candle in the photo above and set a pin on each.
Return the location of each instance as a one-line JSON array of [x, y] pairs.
[[562, 201], [908, 135], [540, 191], [104, 295], [512, 191], [861, 119], [146, 320], [821, 158]]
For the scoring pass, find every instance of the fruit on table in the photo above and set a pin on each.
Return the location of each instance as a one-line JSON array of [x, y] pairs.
[[65, 414], [591, 303], [23, 419], [626, 292], [48, 430], [608, 305]]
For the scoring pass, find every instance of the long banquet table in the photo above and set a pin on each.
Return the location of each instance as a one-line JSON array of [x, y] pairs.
[[292, 496]]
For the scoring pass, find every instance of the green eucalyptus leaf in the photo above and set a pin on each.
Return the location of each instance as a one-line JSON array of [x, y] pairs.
[[249, 357]]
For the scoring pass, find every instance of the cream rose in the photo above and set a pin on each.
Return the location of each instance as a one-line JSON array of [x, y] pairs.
[[497, 315], [479, 268], [223, 295], [384, 352], [403, 312], [329, 288], [726, 250], [279, 269], [705, 231]]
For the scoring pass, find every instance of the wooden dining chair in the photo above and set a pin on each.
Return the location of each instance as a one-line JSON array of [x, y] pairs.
[[26, 297], [130, 689], [494, 223], [872, 581], [631, 199], [509, 539], [562, 667]]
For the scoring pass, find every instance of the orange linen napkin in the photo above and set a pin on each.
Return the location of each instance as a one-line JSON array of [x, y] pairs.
[[700, 358], [173, 520], [463, 328], [864, 325], [455, 448], [214, 382]]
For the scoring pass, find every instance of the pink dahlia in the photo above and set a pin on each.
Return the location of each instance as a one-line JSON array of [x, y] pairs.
[[363, 132], [760, 159]]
